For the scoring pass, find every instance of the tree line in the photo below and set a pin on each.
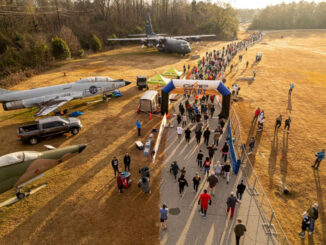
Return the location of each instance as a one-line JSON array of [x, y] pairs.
[[34, 33], [302, 15]]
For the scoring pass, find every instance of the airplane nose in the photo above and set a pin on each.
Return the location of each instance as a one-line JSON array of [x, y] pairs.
[[127, 83], [81, 148]]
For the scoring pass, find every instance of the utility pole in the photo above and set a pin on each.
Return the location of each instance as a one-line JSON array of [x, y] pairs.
[[56, 5]]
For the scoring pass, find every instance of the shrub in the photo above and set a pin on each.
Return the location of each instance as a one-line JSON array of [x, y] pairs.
[[71, 39], [59, 48], [81, 52], [96, 44]]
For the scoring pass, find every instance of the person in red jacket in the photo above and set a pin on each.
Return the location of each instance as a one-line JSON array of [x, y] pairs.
[[204, 200], [119, 182], [257, 112]]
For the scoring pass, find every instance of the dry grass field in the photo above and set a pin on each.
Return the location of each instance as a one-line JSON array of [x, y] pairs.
[[81, 203], [300, 58]]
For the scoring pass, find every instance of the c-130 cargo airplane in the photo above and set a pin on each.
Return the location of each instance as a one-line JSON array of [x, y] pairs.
[[173, 44], [50, 98]]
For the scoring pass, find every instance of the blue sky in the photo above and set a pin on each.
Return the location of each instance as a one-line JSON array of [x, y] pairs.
[[259, 3]]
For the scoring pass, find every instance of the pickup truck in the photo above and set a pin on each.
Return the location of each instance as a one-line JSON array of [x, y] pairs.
[[47, 127]]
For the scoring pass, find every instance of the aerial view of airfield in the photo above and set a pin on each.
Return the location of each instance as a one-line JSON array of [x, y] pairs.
[[172, 122]]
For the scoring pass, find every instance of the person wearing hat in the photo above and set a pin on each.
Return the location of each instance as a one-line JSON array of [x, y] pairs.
[[239, 230], [305, 225], [313, 216], [196, 181], [164, 216], [203, 201], [231, 202], [320, 156]]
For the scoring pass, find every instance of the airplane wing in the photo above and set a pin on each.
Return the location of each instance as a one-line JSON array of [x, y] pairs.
[[51, 105], [192, 36], [135, 39]]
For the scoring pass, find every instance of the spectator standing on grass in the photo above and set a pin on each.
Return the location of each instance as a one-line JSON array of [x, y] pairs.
[[320, 156], [164, 216], [287, 123], [239, 231], [203, 201], [240, 190], [187, 134], [212, 180], [226, 170], [291, 88], [207, 133], [179, 132], [182, 183], [115, 166], [144, 185], [278, 122], [127, 161], [257, 112], [174, 169], [138, 125], [207, 166], [313, 216], [251, 145], [200, 157], [196, 181], [198, 136], [225, 151], [304, 225], [231, 202], [119, 182]]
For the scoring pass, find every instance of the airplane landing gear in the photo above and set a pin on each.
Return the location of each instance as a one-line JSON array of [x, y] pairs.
[[20, 195]]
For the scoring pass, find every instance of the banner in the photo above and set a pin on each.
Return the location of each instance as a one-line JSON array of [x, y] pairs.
[[159, 137], [233, 158]]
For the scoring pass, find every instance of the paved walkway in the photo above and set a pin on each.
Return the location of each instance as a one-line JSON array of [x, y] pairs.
[[188, 227]]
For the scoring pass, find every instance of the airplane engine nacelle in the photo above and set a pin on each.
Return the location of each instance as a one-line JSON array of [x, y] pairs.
[[196, 39], [13, 105]]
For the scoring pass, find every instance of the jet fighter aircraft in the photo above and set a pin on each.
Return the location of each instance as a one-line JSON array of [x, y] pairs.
[[50, 98], [173, 44], [21, 168]]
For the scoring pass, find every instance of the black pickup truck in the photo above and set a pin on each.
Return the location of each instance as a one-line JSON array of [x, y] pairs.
[[47, 127]]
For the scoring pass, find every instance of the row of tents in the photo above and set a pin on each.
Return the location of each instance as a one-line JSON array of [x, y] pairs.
[[165, 77]]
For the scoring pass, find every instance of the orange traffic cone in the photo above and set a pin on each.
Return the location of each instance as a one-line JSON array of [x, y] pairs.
[[150, 116], [168, 117]]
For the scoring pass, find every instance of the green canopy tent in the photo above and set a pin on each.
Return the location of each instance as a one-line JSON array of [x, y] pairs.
[[172, 72], [158, 79]]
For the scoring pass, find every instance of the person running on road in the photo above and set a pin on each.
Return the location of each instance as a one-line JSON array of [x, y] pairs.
[[240, 190], [207, 166], [179, 118], [287, 123], [203, 201], [217, 134], [217, 168], [182, 182], [164, 216], [200, 158], [207, 133], [196, 181], [198, 136], [225, 151], [212, 180], [212, 111], [174, 168], [119, 182], [226, 172], [251, 145], [231, 202], [127, 161], [138, 125], [211, 151], [184, 120], [278, 122], [187, 134], [115, 166], [320, 156], [179, 132], [239, 231]]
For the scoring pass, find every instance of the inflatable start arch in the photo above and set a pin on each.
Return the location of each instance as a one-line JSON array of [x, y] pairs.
[[199, 88]]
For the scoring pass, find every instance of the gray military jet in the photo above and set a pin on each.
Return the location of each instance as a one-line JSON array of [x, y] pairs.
[[173, 44], [21, 168], [50, 98]]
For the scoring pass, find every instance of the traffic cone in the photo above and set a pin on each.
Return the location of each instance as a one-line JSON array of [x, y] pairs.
[[168, 117], [150, 116]]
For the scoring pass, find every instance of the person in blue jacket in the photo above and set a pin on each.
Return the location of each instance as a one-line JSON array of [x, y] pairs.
[[138, 124], [320, 156]]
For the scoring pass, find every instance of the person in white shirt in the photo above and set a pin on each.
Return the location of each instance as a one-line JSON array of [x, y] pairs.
[[217, 168], [179, 132]]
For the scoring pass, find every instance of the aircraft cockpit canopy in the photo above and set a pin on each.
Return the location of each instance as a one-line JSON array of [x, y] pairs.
[[95, 79], [18, 157]]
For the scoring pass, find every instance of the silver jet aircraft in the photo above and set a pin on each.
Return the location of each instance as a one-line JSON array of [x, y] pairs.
[[50, 98], [173, 44]]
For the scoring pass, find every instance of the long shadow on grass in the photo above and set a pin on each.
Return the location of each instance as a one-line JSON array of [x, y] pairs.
[[321, 207], [284, 160], [272, 159]]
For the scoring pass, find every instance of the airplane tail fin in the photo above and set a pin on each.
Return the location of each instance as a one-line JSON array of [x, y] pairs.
[[4, 91], [149, 29]]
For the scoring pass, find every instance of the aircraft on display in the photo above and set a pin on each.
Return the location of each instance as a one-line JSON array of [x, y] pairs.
[[21, 168], [173, 44], [50, 98]]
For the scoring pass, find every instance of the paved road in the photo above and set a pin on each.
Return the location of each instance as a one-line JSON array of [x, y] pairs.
[[188, 227]]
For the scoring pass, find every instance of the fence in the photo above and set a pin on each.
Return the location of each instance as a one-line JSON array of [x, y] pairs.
[[271, 225]]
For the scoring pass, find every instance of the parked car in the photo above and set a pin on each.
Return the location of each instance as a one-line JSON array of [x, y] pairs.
[[47, 127]]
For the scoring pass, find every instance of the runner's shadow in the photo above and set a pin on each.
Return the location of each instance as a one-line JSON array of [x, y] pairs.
[[272, 159], [321, 207], [289, 103], [284, 160], [252, 157]]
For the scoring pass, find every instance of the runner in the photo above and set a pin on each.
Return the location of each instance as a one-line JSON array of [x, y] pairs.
[[203, 201]]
